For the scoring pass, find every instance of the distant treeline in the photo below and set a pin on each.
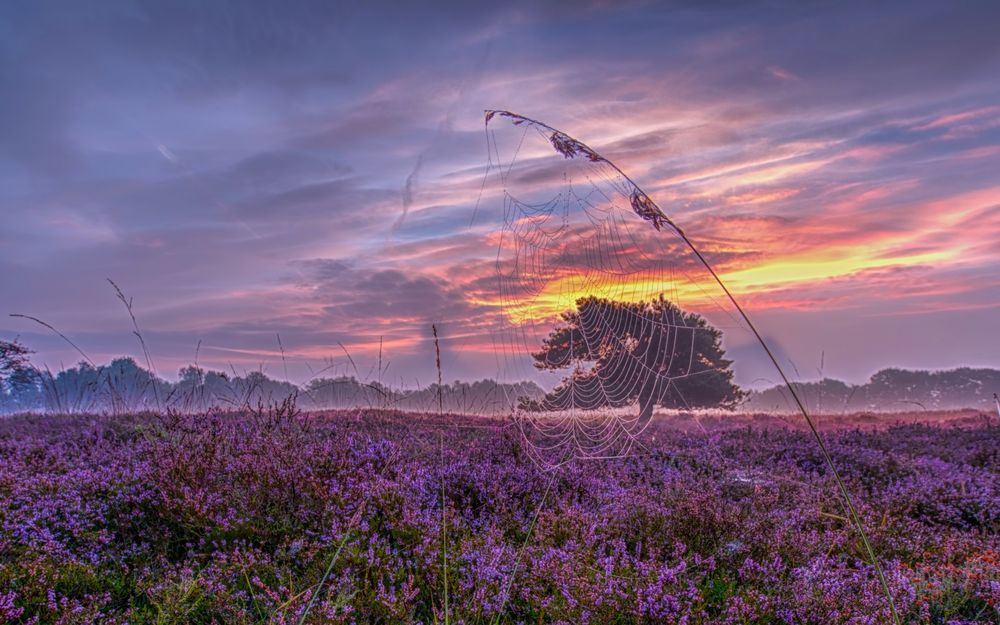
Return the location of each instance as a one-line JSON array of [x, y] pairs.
[[888, 390], [123, 386]]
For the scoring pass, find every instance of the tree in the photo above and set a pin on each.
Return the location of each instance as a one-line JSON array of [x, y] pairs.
[[18, 379], [13, 358], [650, 352]]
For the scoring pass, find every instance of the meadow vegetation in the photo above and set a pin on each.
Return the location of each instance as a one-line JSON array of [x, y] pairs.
[[273, 516]]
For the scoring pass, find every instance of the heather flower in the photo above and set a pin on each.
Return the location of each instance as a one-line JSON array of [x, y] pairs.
[[227, 519]]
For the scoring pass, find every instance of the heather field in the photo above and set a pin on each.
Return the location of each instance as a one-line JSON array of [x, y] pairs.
[[381, 517]]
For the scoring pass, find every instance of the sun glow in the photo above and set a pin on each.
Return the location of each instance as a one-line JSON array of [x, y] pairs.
[[560, 294]]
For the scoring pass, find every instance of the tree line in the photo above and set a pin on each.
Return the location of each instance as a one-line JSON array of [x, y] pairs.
[[123, 386], [889, 390]]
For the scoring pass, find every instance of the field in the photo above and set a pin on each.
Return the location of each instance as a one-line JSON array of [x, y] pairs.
[[380, 517]]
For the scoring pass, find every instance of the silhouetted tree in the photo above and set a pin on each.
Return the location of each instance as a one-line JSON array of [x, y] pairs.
[[650, 352], [19, 380], [13, 358]]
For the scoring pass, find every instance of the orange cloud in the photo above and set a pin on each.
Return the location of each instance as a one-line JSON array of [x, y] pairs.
[[941, 235]]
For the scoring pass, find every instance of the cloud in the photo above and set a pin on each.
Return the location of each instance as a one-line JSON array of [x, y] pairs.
[[206, 156]]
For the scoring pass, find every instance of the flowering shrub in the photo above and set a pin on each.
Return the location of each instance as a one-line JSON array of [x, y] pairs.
[[238, 518]]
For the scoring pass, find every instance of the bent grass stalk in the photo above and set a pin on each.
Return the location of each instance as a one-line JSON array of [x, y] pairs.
[[333, 561], [520, 553], [127, 302], [444, 534]]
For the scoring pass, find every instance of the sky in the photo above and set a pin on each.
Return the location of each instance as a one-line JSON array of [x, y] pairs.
[[277, 184]]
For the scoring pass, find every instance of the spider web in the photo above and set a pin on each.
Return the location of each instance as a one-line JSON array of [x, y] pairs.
[[577, 230], [583, 249]]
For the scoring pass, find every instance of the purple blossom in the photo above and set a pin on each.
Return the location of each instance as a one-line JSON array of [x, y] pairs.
[[236, 518]]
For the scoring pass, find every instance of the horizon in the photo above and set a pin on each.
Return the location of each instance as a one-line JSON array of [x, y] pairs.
[[416, 384], [313, 174]]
